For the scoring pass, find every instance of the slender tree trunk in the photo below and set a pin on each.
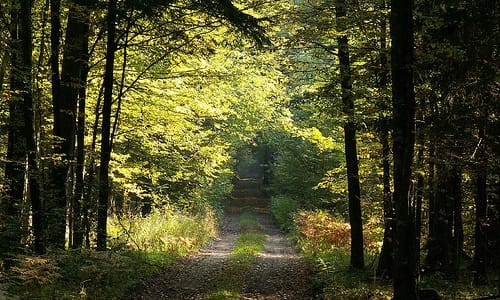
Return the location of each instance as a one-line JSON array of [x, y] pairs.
[[102, 210], [403, 99], [480, 258], [73, 81], [385, 263], [4, 60], [90, 208], [439, 239], [56, 202], [10, 218], [31, 148], [458, 231], [419, 191], [357, 255], [386, 259], [80, 207]]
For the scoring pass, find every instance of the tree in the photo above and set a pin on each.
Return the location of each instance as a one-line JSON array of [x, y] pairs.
[[56, 204], [102, 210], [403, 101], [357, 255], [386, 261], [21, 153]]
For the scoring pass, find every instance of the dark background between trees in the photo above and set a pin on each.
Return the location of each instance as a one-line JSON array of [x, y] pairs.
[[121, 107]]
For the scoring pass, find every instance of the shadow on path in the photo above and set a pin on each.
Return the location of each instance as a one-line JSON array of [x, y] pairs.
[[278, 272]]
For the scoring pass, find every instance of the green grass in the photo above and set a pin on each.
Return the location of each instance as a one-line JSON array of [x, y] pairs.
[[249, 244]]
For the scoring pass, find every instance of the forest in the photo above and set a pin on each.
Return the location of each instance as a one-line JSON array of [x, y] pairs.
[[372, 129]]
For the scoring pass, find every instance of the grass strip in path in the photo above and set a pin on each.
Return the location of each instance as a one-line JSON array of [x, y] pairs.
[[249, 244]]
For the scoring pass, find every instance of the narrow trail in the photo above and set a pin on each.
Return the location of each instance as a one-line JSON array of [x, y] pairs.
[[277, 273]]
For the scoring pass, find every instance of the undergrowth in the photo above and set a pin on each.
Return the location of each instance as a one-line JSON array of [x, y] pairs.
[[140, 247], [325, 240], [167, 231]]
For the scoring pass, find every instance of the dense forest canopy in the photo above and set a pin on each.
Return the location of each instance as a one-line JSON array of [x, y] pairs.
[[384, 114]]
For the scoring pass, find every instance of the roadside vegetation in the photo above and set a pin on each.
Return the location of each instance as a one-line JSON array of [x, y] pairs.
[[140, 247], [324, 239]]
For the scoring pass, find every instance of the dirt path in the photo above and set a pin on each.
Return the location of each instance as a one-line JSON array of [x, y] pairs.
[[278, 272]]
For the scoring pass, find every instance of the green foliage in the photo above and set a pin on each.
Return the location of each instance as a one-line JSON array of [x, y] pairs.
[[283, 208], [302, 158]]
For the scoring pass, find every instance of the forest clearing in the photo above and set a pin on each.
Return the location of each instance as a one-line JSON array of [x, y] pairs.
[[249, 149]]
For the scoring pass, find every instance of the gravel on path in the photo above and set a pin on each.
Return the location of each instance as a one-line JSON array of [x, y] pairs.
[[278, 272]]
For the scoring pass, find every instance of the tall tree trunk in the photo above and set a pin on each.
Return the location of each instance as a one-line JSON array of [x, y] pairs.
[[4, 62], [73, 82], [386, 258], [419, 191], [403, 100], [10, 230], [357, 255], [440, 212], [56, 203], [480, 259], [89, 207], [29, 116], [457, 228], [80, 26], [385, 262], [102, 210]]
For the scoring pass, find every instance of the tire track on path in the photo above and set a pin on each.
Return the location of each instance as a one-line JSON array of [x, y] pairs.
[[278, 272]]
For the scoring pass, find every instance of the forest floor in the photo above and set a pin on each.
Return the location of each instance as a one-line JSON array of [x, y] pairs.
[[276, 272]]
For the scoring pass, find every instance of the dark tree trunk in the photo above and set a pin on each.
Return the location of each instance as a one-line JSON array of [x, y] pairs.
[[480, 259], [357, 255], [439, 240], [3, 67], [403, 99], [73, 84], [419, 190], [445, 242], [89, 206], [56, 203], [457, 228], [386, 259], [102, 210], [10, 230], [31, 148]]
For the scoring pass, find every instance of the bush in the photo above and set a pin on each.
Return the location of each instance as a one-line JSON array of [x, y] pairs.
[[318, 231], [283, 208]]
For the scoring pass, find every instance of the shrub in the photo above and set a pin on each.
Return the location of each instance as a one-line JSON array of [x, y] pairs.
[[282, 208], [318, 231]]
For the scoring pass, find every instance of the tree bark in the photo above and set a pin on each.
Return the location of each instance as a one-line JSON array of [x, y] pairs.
[[102, 209], [480, 259], [403, 99], [29, 116], [386, 260], [357, 254], [11, 229], [56, 203], [77, 70], [419, 190]]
